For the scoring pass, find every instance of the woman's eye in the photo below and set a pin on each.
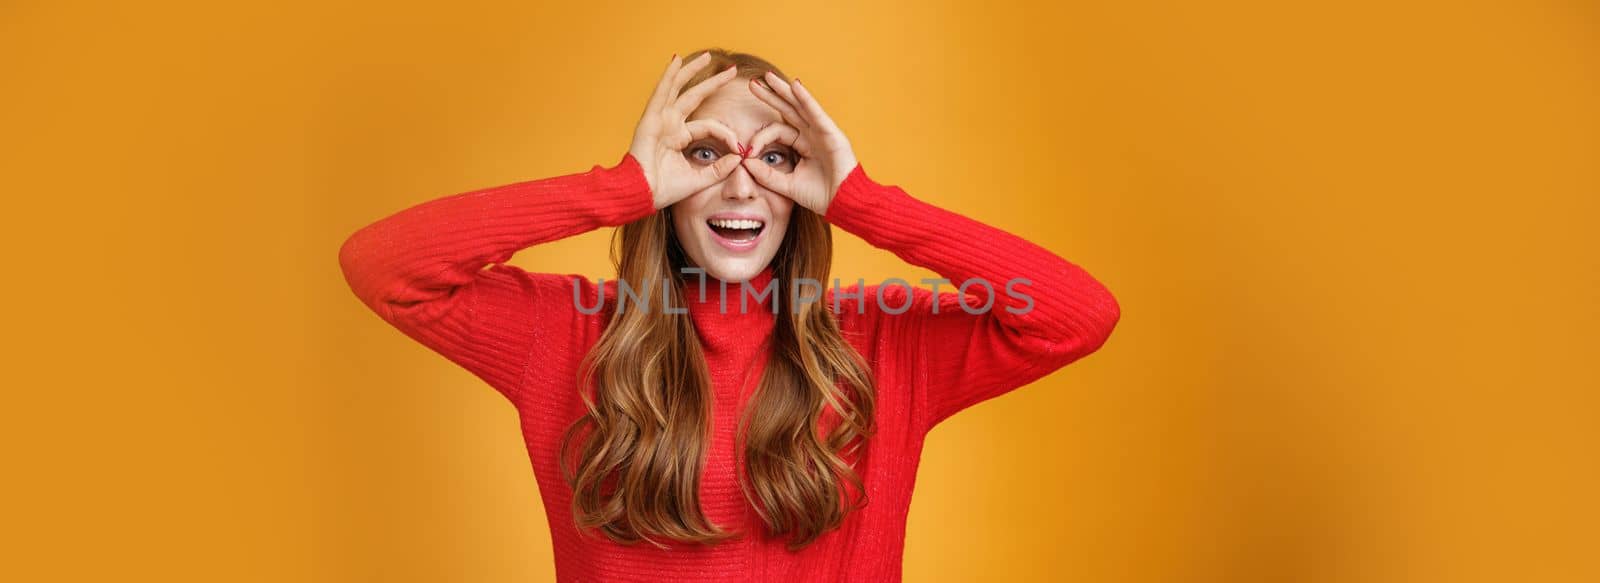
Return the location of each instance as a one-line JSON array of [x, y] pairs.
[[703, 154], [778, 158]]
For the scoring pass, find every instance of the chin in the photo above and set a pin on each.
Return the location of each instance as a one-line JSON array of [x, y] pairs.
[[735, 265], [734, 270], [731, 246]]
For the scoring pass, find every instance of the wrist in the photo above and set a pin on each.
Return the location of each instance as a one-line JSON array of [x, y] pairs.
[[639, 181], [853, 195]]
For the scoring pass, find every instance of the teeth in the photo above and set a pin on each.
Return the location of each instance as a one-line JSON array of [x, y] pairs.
[[735, 223]]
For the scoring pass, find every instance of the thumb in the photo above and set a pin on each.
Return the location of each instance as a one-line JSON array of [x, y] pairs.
[[718, 170], [765, 175]]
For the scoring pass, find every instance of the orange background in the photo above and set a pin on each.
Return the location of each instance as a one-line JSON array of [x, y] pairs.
[[1353, 243]]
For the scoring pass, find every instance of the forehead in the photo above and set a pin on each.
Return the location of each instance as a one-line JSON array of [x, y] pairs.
[[734, 105]]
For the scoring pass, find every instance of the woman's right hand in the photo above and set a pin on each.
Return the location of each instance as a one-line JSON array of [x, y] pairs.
[[662, 134]]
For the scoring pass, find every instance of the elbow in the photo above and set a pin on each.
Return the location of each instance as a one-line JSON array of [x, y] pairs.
[[1105, 315], [1086, 330], [1097, 315], [350, 260], [390, 284], [347, 257], [1098, 318], [356, 265]]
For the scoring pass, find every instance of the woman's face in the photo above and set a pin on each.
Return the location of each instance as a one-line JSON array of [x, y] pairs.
[[733, 228]]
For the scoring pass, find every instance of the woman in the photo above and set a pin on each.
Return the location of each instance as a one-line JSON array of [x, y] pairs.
[[745, 435]]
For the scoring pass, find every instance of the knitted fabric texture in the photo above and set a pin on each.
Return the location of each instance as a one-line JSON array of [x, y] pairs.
[[436, 271]]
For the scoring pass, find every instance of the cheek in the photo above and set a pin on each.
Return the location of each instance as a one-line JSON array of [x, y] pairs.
[[685, 211], [680, 218], [683, 230], [781, 206]]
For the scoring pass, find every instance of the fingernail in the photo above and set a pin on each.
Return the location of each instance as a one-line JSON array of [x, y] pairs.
[[797, 80]]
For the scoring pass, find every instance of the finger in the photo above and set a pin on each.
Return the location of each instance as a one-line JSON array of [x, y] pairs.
[[701, 128], [719, 170], [812, 108], [704, 176], [777, 133], [692, 98], [785, 91], [785, 109], [772, 179], [660, 95], [687, 72]]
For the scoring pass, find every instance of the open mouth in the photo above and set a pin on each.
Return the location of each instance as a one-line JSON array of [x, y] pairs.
[[737, 229], [736, 234]]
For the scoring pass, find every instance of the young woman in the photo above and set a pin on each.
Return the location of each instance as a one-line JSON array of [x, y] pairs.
[[744, 436]]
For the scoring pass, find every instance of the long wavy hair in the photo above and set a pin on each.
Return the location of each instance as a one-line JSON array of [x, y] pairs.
[[636, 468]]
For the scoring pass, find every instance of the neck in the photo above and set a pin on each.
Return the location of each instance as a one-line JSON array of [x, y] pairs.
[[732, 317]]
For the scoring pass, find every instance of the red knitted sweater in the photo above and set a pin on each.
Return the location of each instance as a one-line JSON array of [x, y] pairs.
[[422, 270]]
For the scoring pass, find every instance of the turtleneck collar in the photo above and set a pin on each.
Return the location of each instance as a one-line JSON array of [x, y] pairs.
[[727, 325]]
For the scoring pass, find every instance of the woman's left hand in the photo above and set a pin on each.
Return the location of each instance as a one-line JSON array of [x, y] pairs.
[[825, 155]]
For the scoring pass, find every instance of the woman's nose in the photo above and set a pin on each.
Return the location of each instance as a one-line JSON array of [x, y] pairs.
[[739, 185]]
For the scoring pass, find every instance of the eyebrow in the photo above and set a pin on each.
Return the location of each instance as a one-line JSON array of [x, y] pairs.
[[717, 142]]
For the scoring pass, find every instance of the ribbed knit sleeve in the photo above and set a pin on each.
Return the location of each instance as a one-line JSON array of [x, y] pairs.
[[1060, 313], [422, 269]]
